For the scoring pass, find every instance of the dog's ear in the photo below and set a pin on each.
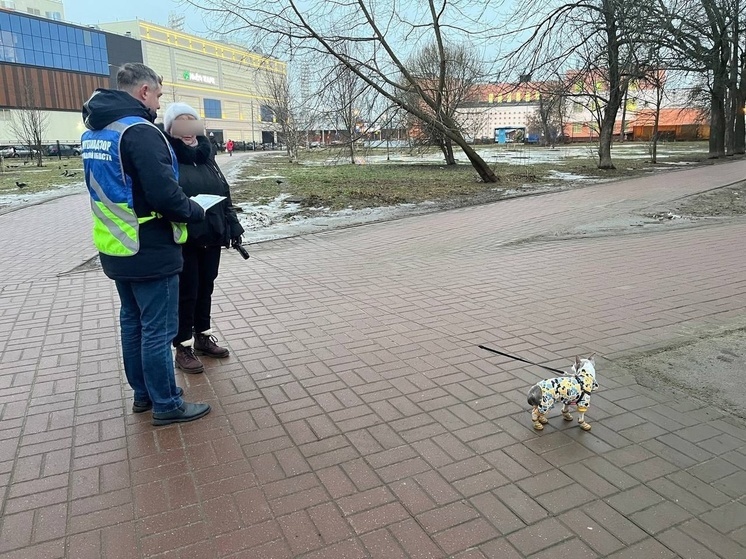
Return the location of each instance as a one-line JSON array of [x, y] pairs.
[[591, 358], [577, 363]]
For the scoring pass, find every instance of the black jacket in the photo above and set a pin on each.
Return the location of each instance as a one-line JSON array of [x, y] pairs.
[[147, 160], [199, 174]]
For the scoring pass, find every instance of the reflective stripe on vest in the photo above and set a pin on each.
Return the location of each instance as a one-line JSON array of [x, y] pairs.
[[115, 224]]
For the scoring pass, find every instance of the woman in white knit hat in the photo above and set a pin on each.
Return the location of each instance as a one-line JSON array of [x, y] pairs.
[[199, 174]]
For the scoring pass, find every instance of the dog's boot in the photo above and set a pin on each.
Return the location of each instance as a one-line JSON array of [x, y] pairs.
[[567, 415], [538, 426], [585, 426]]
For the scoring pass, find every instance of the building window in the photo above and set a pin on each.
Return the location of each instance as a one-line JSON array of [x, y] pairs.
[[56, 16], [8, 4], [213, 108], [34, 11], [266, 113]]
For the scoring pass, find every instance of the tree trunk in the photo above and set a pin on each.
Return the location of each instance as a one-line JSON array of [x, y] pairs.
[[352, 151], [654, 147], [450, 129], [446, 147], [732, 106], [740, 132], [624, 115], [606, 134], [717, 124]]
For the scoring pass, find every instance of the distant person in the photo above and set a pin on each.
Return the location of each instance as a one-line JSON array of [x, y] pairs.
[[199, 174], [139, 215], [229, 148]]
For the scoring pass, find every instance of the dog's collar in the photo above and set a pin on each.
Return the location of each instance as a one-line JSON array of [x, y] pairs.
[[583, 391]]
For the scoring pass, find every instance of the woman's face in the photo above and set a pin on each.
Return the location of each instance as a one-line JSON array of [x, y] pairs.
[[185, 133]]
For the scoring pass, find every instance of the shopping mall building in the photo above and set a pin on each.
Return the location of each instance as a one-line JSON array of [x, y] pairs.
[[55, 66]]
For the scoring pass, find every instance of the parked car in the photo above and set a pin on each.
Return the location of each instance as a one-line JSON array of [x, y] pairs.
[[18, 151], [65, 149]]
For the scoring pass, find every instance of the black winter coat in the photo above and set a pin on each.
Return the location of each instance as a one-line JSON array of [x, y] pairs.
[[199, 174]]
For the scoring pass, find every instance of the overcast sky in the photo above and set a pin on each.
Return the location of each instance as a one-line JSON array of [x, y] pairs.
[[87, 12]]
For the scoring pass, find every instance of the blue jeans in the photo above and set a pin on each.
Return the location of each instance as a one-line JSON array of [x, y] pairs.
[[149, 319]]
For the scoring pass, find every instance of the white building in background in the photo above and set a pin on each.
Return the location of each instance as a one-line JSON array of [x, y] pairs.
[[229, 86], [50, 9]]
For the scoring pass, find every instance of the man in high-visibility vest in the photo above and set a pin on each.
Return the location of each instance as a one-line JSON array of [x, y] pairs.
[[139, 216]]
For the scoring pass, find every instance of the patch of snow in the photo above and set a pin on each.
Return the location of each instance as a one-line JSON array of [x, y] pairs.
[[20, 199]]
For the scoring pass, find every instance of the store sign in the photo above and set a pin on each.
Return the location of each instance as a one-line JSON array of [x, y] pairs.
[[201, 78]]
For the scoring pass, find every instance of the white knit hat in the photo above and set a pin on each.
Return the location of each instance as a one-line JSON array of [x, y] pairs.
[[174, 110]]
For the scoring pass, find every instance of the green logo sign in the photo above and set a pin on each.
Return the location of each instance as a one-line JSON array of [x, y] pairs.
[[186, 75]]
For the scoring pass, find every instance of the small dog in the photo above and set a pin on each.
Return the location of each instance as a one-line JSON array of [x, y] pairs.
[[571, 390]]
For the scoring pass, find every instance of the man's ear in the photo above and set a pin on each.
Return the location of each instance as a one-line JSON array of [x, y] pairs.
[[142, 91]]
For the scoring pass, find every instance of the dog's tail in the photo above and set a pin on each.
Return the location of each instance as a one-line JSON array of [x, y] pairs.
[[534, 395]]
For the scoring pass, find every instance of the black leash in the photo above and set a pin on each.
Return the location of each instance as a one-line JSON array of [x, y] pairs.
[[523, 360]]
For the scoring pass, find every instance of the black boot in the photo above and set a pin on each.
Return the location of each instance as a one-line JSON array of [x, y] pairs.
[[187, 361], [205, 344]]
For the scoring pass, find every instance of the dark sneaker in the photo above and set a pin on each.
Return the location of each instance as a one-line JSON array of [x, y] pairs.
[[187, 412], [187, 361], [139, 407], [207, 345]]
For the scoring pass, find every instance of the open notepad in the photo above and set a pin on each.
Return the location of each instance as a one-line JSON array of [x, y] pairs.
[[207, 201]]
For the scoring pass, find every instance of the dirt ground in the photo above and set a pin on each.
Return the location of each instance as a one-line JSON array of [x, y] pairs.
[[711, 366]]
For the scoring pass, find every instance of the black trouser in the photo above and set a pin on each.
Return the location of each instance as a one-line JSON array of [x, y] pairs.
[[196, 282]]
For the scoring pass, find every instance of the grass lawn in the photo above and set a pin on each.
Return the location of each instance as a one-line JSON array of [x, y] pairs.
[[39, 179], [325, 178]]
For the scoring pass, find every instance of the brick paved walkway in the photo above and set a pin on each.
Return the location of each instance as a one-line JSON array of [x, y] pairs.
[[356, 417]]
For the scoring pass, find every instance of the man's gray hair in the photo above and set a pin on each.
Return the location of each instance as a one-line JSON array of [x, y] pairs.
[[134, 74]]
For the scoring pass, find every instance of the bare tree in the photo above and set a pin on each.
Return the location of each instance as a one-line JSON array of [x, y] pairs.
[[657, 80], [293, 112], [383, 33], [602, 39], [551, 114], [699, 32], [350, 102], [29, 123], [447, 74]]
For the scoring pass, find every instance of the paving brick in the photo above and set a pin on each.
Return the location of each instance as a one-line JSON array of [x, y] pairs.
[[300, 532], [677, 494], [415, 541], [524, 506], [464, 536], [713, 470], [539, 536], [649, 548], [660, 517], [684, 546], [499, 515], [726, 517], [651, 469], [544, 482], [619, 526], [711, 538], [382, 545], [331, 526], [591, 532], [573, 548], [733, 485], [499, 549], [564, 498]]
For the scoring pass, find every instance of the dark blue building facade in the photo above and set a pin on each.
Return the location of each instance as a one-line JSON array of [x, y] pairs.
[[45, 43]]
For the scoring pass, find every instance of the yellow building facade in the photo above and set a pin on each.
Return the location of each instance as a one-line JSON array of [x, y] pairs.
[[228, 86]]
